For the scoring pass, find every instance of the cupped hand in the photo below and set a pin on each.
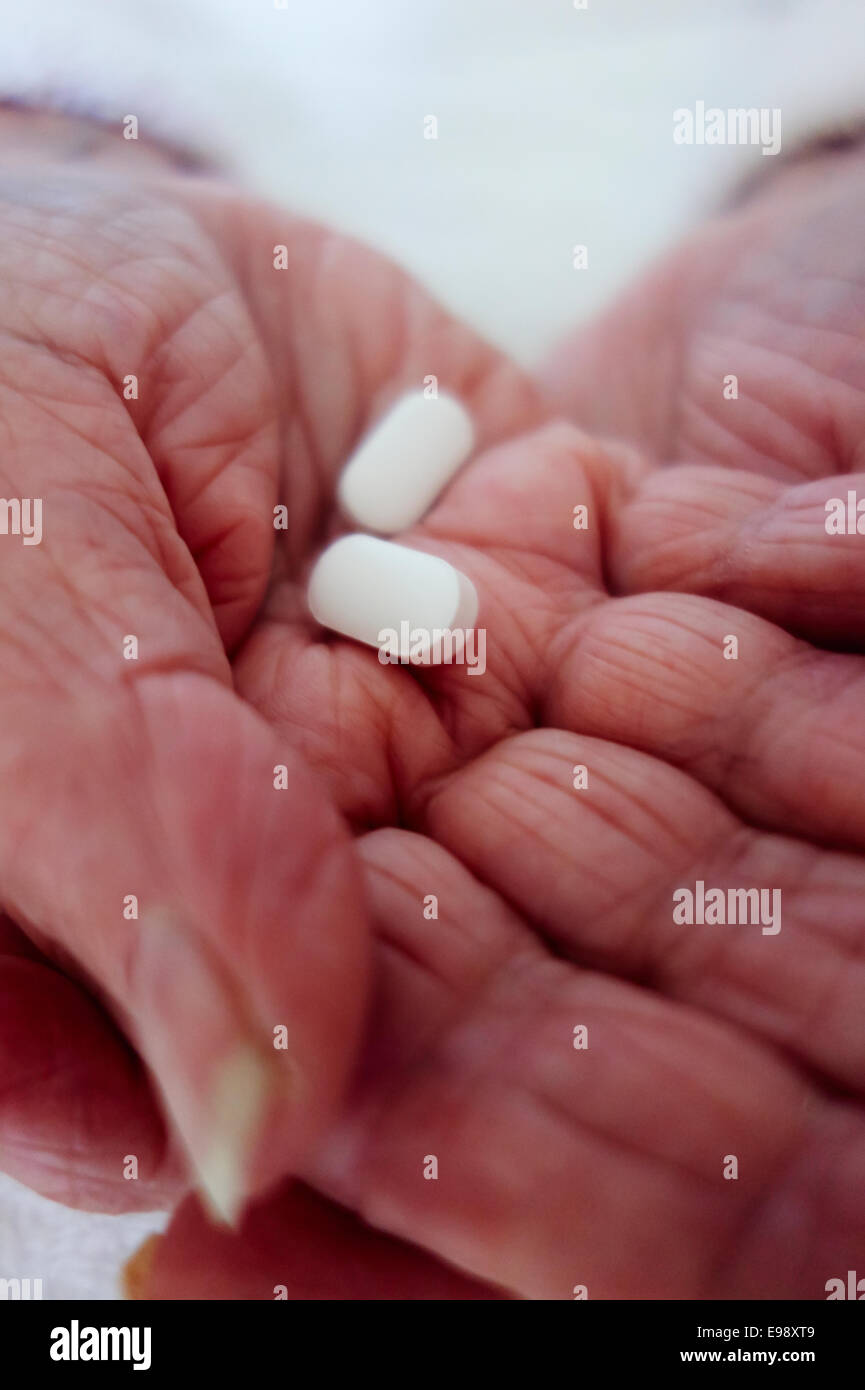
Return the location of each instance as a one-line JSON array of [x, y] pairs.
[[172, 872], [565, 1088], [558, 1166]]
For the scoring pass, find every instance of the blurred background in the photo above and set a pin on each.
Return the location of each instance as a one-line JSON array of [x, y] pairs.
[[554, 129]]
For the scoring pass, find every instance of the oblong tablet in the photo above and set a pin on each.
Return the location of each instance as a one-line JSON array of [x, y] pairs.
[[362, 586], [398, 471]]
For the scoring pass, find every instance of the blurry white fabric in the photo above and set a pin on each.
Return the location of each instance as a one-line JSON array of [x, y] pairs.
[[74, 1254], [554, 122]]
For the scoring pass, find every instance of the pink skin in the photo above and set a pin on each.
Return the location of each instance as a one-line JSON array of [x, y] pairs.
[[601, 1167]]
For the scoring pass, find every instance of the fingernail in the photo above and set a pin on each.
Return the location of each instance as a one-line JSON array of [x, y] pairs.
[[238, 1101], [214, 1082]]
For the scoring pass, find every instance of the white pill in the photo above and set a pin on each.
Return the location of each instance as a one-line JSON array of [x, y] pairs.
[[401, 467], [362, 586]]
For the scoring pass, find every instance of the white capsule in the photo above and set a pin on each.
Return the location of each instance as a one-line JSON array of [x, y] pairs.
[[401, 467], [364, 587]]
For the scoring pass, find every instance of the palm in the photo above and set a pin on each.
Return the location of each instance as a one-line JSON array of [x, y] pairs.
[[557, 1166], [550, 1158], [560, 1166]]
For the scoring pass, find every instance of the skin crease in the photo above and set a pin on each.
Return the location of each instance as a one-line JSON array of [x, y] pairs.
[[557, 1167]]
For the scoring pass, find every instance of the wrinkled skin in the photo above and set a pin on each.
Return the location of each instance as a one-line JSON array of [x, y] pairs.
[[557, 1167]]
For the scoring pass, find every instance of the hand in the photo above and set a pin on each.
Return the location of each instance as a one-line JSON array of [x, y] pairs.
[[709, 1141], [147, 785], [770, 292], [480, 1075]]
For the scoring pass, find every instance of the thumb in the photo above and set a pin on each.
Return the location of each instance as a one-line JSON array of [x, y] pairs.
[[215, 902], [145, 838], [245, 976]]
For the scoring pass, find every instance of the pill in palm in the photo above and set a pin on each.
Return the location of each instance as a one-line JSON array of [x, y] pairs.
[[362, 586], [401, 467]]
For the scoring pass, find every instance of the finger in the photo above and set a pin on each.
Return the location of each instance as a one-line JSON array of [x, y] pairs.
[[790, 554], [768, 294], [556, 854], [559, 1166], [755, 722], [297, 1246], [70, 1085], [319, 297], [153, 828], [244, 1009], [162, 327]]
